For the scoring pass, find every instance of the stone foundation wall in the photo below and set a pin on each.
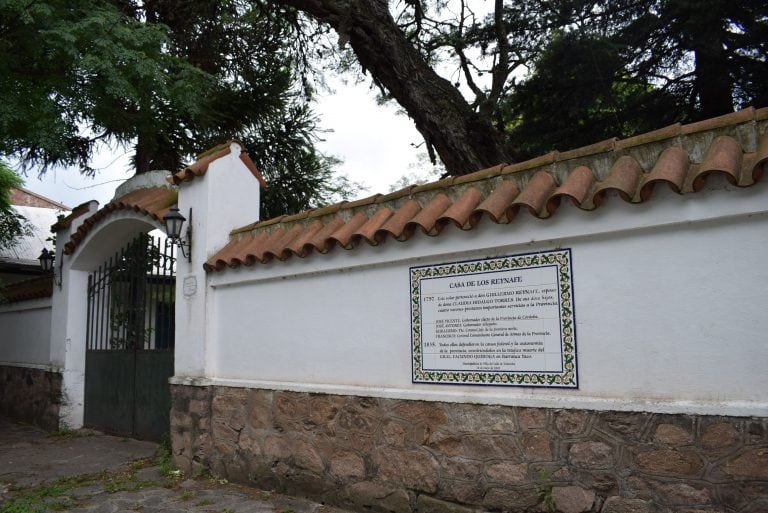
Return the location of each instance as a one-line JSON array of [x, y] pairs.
[[30, 395], [412, 456]]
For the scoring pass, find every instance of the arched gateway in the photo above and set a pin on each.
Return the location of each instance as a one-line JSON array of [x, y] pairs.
[[117, 299]]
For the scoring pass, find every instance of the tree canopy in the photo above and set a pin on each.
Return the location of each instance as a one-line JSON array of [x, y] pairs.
[[170, 78]]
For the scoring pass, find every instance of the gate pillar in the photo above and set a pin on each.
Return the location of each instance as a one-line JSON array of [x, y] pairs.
[[68, 326], [223, 195]]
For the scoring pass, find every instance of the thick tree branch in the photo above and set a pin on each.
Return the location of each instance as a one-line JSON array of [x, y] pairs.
[[465, 141], [501, 69]]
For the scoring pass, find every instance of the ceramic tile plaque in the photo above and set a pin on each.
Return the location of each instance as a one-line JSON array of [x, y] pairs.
[[496, 321]]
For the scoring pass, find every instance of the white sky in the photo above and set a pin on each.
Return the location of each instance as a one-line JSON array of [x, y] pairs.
[[374, 141]]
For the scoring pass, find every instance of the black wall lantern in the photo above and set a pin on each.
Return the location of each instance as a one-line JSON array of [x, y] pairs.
[[47, 259], [174, 222]]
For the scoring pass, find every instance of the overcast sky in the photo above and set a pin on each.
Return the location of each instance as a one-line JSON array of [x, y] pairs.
[[375, 143]]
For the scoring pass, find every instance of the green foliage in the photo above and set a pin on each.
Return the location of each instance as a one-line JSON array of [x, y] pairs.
[[45, 497], [617, 68], [171, 79], [297, 176], [544, 489], [165, 460], [74, 72], [12, 224], [581, 93]]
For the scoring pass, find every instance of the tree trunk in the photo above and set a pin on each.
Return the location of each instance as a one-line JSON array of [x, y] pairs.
[[464, 141], [712, 82]]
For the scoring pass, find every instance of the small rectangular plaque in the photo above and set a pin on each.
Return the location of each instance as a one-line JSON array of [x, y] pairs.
[[496, 321]]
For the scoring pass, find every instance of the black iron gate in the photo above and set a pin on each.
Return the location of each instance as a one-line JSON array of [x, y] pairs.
[[130, 339]]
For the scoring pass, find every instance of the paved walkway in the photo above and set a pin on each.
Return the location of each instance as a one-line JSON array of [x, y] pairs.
[[91, 472]]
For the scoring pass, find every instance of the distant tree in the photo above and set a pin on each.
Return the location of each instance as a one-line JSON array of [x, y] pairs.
[[12, 224], [297, 176], [422, 171], [581, 92]]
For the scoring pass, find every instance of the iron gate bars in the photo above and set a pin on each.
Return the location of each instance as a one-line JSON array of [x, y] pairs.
[[131, 298]]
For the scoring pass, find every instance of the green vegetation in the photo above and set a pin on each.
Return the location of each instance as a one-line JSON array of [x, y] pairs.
[[67, 433], [60, 495], [544, 489], [47, 497], [12, 225], [168, 79], [186, 495]]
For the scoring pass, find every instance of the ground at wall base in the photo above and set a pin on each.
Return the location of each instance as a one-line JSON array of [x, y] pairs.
[[406, 456]]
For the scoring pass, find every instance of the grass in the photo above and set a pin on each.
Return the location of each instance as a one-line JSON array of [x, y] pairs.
[[58, 496], [186, 496], [66, 433], [164, 460], [46, 497]]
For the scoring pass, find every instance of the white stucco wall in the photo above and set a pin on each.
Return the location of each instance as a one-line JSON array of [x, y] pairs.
[[25, 334], [226, 196], [670, 302]]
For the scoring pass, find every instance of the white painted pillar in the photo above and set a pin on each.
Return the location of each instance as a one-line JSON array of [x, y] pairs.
[[68, 319], [226, 197]]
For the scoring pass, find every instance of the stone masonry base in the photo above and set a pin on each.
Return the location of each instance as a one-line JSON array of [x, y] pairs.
[[403, 456], [30, 395]]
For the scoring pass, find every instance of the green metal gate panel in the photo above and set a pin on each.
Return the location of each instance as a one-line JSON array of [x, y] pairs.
[[130, 339], [109, 391], [153, 395]]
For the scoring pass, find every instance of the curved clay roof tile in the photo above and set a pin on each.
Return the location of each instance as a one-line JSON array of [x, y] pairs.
[[301, 245], [671, 167], [497, 203], [395, 226], [761, 159], [534, 196], [372, 226], [460, 213], [322, 241], [343, 236], [577, 186], [724, 156], [427, 218], [624, 177]]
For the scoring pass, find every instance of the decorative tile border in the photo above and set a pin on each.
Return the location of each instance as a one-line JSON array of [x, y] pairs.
[[505, 321]]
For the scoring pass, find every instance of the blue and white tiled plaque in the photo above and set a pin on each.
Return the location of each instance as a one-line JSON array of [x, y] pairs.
[[496, 321]]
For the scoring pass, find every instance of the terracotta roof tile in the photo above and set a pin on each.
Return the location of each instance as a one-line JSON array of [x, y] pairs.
[[371, 228], [33, 288], [427, 217], [731, 118], [623, 178], [343, 236], [724, 156], [200, 167], [671, 167], [657, 135], [460, 213], [66, 222], [534, 196], [152, 202], [760, 161], [497, 204], [395, 226], [577, 186], [681, 157]]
